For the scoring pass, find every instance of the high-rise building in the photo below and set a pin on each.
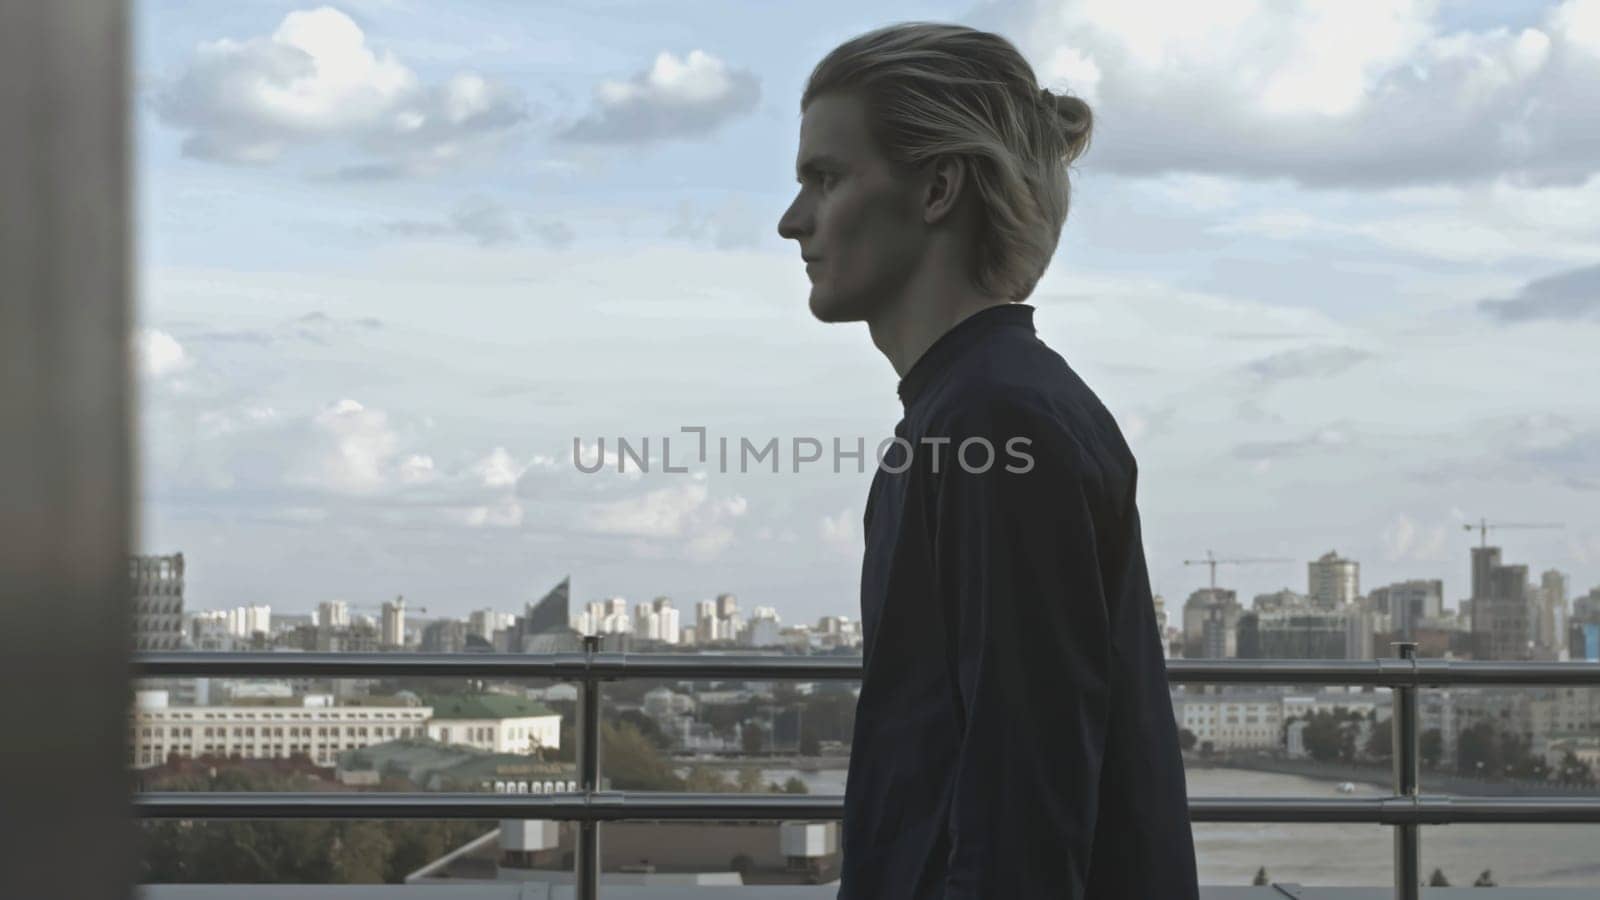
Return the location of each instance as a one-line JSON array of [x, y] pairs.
[[1219, 632], [1197, 612], [1484, 561], [1278, 600], [547, 627], [1333, 581], [1583, 642], [444, 636], [1504, 617], [656, 621], [392, 632], [1587, 607], [1407, 603], [157, 587], [1294, 634], [764, 628], [485, 622], [1552, 608], [333, 614]]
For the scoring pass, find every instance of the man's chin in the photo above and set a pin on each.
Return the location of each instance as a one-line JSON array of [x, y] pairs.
[[829, 309]]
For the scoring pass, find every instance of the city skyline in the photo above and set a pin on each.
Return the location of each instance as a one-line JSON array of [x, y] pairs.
[[1449, 601], [364, 354]]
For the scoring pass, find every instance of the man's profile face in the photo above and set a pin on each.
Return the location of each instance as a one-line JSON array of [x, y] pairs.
[[854, 215]]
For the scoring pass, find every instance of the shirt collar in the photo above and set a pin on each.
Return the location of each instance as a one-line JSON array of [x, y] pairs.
[[962, 335]]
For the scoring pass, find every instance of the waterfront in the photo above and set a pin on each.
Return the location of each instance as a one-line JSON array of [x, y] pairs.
[[1340, 855]]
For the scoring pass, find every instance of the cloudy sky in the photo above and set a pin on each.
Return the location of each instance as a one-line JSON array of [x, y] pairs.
[[1334, 267]]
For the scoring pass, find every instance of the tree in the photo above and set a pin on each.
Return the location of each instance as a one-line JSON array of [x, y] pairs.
[[1380, 743], [1485, 880], [754, 737], [1574, 770], [1207, 748], [307, 852], [1520, 760], [750, 780], [359, 852], [632, 762], [1438, 879], [648, 727], [1477, 751], [1431, 747], [795, 786], [1261, 877], [1323, 737], [705, 780], [1187, 740]]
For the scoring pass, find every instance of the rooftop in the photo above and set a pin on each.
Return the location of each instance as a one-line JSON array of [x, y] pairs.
[[486, 706]]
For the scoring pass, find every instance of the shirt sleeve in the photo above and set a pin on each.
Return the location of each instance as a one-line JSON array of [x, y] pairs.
[[1019, 582]]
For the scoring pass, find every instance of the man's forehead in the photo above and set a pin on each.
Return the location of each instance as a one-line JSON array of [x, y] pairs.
[[832, 132]]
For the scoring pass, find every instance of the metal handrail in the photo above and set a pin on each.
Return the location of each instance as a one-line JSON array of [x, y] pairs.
[[611, 666], [1405, 810], [614, 806]]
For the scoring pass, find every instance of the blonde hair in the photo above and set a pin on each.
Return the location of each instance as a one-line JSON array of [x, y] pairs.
[[933, 89]]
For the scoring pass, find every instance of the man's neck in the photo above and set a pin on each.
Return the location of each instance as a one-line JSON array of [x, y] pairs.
[[905, 330]]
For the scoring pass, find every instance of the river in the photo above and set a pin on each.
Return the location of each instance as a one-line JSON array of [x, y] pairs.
[[1347, 855]]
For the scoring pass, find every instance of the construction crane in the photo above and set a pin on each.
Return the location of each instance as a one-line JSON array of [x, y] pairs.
[[1484, 525], [1213, 562], [399, 601]]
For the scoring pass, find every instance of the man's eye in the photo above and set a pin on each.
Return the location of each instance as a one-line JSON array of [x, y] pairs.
[[825, 178]]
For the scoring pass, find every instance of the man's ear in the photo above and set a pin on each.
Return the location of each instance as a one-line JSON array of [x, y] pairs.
[[946, 177]]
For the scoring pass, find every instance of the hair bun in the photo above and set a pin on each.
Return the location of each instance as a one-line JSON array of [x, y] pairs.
[[1073, 119]]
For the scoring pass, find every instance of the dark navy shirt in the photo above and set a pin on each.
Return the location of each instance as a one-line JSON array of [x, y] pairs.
[[1014, 737]]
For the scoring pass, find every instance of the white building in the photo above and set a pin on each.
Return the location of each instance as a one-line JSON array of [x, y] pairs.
[[1334, 581], [495, 722], [1232, 721], [608, 616], [333, 614], [764, 629], [656, 621], [209, 626], [485, 622], [393, 631], [157, 588], [1254, 720], [315, 728]]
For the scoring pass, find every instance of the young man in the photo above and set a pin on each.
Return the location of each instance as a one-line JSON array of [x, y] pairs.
[[1014, 736]]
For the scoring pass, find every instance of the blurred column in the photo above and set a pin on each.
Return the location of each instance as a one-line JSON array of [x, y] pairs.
[[65, 449]]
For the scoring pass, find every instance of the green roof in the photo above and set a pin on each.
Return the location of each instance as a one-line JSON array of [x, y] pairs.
[[487, 706]]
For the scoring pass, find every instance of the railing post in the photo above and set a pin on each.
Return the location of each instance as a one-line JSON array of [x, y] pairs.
[[588, 874], [1408, 835]]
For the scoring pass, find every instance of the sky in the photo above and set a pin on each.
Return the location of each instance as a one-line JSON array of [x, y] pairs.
[[1334, 268]]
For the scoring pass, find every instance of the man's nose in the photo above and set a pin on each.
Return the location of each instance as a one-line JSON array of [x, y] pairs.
[[789, 223]]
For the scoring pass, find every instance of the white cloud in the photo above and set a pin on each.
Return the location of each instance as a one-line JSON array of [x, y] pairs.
[[316, 79], [730, 225], [354, 450], [1329, 94], [417, 468], [838, 529], [674, 98], [504, 512], [487, 223], [498, 469], [684, 512], [1405, 539], [159, 353]]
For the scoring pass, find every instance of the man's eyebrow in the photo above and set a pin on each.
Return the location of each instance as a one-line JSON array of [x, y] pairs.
[[811, 165]]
